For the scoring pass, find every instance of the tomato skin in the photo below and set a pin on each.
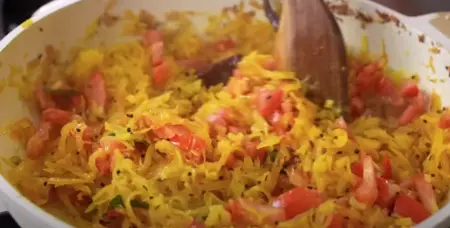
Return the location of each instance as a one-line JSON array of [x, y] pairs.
[[157, 53], [268, 101], [115, 213], [161, 75], [188, 142], [356, 106], [103, 164], [367, 191], [357, 169], [270, 64], [368, 77], [387, 167], [95, 91], [444, 122], [426, 193], [251, 150], [337, 221], [239, 214], [197, 224], [416, 108], [385, 87], [410, 90], [56, 116], [299, 200], [152, 36], [408, 115], [224, 45], [386, 192], [408, 207], [170, 131], [180, 136]]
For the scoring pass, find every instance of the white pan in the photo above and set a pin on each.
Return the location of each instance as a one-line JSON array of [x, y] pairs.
[[63, 22]]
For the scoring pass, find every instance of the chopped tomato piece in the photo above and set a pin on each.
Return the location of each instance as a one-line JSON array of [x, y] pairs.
[[409, 115], [357, 169], [231, 161], [170, 131], [242, 211], [188, 142], [157, 53], [152, 36], [299, 200], [224, 45], [96, 92], [103, 164], [255, 154], [426, 193], [420, 101], [387, 167], [78, 103], [197, 224], [444, 122], [337, 221], [386, 192], [367, 191], [366, 81], [386, 87], [161, 74], [193, 146], [56, 116], [275, 118], [410, 89], [269, 101], [287, 106], [217, 119], [408, 207], [115, 213], [89, 137], [356, 106], [355, 91], [38, 142], [270, 64]]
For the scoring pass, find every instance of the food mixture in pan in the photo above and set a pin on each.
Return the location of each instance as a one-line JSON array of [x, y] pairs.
[[130, 137]]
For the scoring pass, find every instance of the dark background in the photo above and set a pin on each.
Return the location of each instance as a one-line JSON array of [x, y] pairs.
[[14, 12]]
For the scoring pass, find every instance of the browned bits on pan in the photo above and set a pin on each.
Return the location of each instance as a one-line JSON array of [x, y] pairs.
[[384, 17], [421, 38], [448, 70], [341, 9], [364, 18]]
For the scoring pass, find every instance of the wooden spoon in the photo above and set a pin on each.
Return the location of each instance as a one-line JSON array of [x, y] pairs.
[[310, 43]]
